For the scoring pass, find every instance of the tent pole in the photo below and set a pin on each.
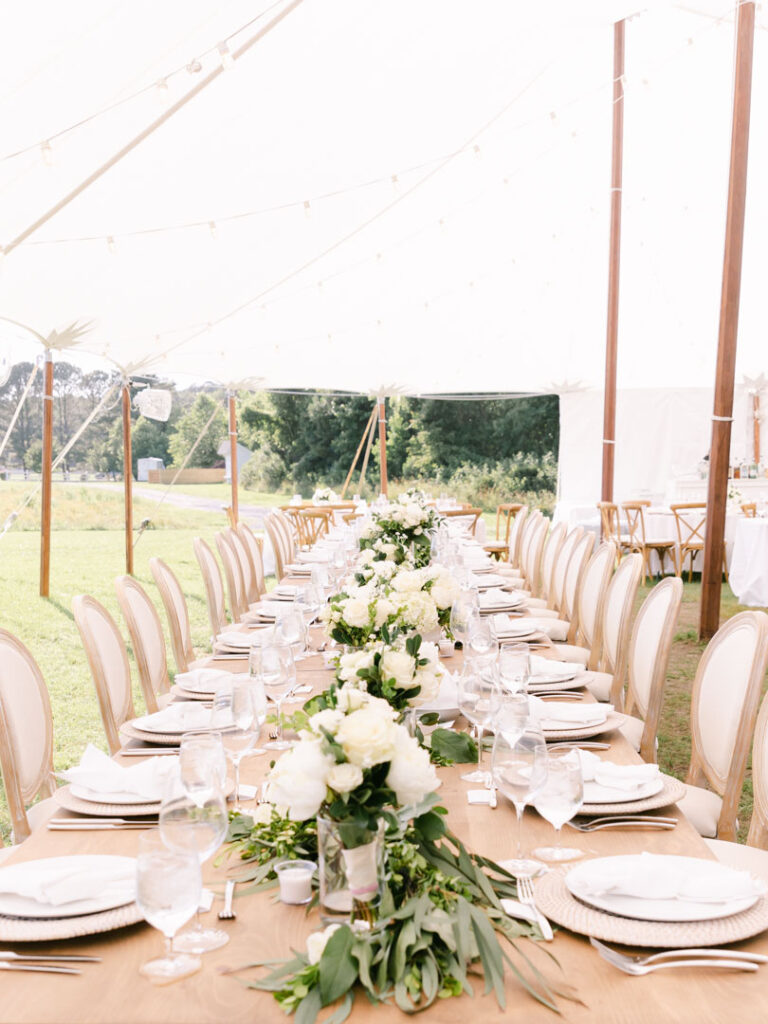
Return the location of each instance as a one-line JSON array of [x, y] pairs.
[[128, 477], [233, 455], [368, 447], [366, 431], [383, 443], [719, 452], [47, 477], [614, 258]]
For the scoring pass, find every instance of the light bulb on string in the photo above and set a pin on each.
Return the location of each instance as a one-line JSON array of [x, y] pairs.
[[162, 90], [307, 209], [47, 153], [111, 244], [213, 229], [194, 67], [477, 151], [225, 55], [395, 184]]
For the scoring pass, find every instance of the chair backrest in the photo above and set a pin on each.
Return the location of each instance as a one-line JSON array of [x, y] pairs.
[[176, 612], [617, 619], [233, 575], [557, 582], [505, 513], [108, 662], [287, 533], [749, 508], [609, 520], [250, 588], [253, 546], [466, 517], [277, 542], [726, 692], [526, 538], [577, 563], [649, 649], [690, 520], [315, 523], [592, 594], [534, 554], [758, 826], [516, 536], [146, 633], [549, 555], [634, 512], [26, 732], [213, 585]]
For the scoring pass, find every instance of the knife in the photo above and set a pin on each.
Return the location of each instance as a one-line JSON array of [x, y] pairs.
[[9, 955]]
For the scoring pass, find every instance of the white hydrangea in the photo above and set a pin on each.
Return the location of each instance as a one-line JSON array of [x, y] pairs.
[[355, 612]]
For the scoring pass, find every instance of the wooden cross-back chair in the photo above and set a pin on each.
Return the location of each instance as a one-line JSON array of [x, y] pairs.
[[726, 693], [635, 515], [315, 523], [505, 514], [108, 662], [749, 508], [691, 523], [26, 736], [468, 516], [213, 585], [147, 640], [176, 612]]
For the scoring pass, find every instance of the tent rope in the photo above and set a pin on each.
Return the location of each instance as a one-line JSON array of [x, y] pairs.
[[17, 411]]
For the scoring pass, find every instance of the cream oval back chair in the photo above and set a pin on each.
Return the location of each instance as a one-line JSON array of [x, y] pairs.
[[176, 612], [253, 548], [247, 574], [534, 556], [233, 575], [577, 563], [515, 536], [607, 684], [278, 544], [569, 540], [26, 736], [526, 539], [726, 693], [214, 587], [108, 662], [648, 658], [288, 533], [592, 595], [552, 549], [147, 640]]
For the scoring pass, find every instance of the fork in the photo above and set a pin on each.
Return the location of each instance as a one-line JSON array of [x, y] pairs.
[[526, 896], [598, 824], [629, 965], [227, 913], [40, 968], [642, 960]]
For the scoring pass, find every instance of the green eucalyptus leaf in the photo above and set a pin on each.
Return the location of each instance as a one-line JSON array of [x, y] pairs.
[[337, 968]]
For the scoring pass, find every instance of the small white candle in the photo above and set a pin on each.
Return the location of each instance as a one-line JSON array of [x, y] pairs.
[[295, 877]]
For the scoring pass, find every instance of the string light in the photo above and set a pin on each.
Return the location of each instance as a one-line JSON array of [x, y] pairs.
[[162, 90], [111, 244], [213, 229], [225, 55], [395, 184], [194, 67], [476, 151], [307, 209], [47, 152]]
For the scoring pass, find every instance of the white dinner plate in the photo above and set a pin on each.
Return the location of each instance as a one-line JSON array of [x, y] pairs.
[[515, 630], [487, 582], [552, 681], [674, 909], [242, 641], [594, 793], [13, 905], [93, 796], [192, 717]]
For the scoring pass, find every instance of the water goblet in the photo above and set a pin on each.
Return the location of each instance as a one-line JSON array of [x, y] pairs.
[[558, 800], [291, 629], [276, 672], [202, 762], [519, 770], [514, 667], [479, 699], [464, 613], [239, 711], [168, 894], [481, 643]]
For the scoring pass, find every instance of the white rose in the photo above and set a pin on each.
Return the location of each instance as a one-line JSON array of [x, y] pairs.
[[350, 663], [384, 608], [367, 738], [349, 698], [298, 780], [429, 682], [365, 557], [328, 719], [411, 775], [345, 777], [262, 814], [317, 941], [398, 665], [409, 581], [356, 613], [444, 593], [380, 706]]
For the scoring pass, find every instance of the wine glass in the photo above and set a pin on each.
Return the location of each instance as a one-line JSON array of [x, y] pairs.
[[291, 629], [481, 643], [514, 667], [464, 612], [519, 770], [168, 894], [276, 671], [239, 713], [513, 716], [194, 820], [479, 699], [560, 798], [202, 761]]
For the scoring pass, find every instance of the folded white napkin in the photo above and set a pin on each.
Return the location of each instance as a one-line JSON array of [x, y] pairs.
[[547, 667], [60, 882], [504, 628], [652, 876], [182, 716], [234, 639], [297, 569], [315, 556], [285, 590], [497, 598], [269, 609], [447, 697], [487, 581], [626, 777], [554, 714], [99, 773], [202, 680], [555, 629], [479, 796]]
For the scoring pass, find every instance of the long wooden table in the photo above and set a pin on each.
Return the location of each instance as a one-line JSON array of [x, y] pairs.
[[116, 993]]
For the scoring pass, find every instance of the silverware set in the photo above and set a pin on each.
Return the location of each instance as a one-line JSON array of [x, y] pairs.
[[99, 824], [720, 958], [652, 821], [10, 961], [526, 896]]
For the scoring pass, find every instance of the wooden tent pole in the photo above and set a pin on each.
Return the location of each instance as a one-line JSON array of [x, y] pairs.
[[128, 477], [233, 475], [383, 444], [366, 431], [614, 258], [47, 477], [719, 452], [368, 447]]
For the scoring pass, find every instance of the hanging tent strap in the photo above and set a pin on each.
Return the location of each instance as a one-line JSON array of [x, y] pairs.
[[17, 411], [366, 431]]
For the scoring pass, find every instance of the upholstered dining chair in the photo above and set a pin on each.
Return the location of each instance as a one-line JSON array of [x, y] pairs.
[[233, 575], [527, 530], [213, 585], [649, 649], [726, 693], [108, 662], [552, 548], [287, 533], [251, 592], [585, 635], [577, 565], [255, 547], [176, 612], [515, 537], [147, 640], [554, 600], [534, 555], [635, 514], [26, 738], [277, 542]]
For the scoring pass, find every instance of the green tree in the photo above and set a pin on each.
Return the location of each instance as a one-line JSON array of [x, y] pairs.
[[188, 428]]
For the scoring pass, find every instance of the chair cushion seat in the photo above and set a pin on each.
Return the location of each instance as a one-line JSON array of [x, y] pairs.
[[742, 858], [632, 730], [39, 813], [599, 685], [702, 808], [569, 652]]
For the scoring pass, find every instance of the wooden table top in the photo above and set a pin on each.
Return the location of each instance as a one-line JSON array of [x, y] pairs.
[[115, 992]]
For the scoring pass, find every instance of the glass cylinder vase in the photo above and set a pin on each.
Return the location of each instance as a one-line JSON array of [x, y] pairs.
[[351, 866]]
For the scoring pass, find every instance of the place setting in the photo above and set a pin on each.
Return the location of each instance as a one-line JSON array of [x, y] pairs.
[[199, 684], [563, 720], [101, 788]]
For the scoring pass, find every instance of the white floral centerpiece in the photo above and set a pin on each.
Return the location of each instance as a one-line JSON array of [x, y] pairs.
[[324, 495], [404, 671]]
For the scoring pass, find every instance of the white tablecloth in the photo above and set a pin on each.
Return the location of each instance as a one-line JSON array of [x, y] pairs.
[[749, 562]]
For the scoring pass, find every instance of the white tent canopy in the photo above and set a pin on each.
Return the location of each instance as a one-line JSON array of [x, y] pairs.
[[402, 196]]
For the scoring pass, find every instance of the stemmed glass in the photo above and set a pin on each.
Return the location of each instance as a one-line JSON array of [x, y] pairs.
[[291, 629], [193, 819], [274, 668], [168, 894], [202, 761], [481, 644], [479, 699], [464, 612], [239, 711], [514, 667], [519, 770], [561, 797]]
